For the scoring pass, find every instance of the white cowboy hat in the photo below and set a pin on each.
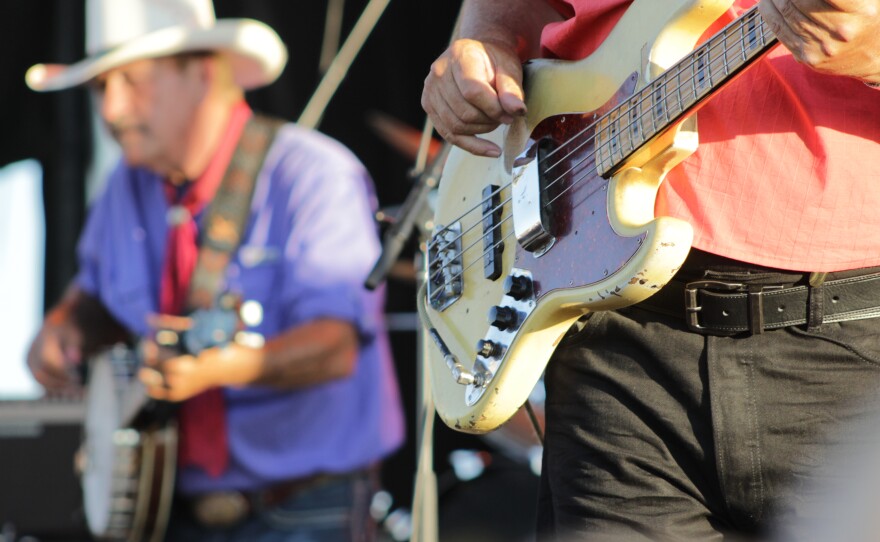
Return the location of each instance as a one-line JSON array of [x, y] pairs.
[[122, 31]]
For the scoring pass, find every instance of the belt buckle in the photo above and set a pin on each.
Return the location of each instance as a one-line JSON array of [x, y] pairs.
[[692, 307], [755, 299], [220, 509]]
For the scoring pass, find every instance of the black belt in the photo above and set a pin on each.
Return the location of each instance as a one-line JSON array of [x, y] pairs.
[[728, 307]]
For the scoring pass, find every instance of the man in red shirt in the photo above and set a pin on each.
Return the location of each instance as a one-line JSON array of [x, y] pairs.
[[659, 427]]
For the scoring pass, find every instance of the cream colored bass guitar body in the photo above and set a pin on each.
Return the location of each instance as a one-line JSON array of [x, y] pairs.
[[563, 223]]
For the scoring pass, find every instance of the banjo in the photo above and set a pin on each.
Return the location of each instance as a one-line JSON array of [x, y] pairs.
[[128, 457]]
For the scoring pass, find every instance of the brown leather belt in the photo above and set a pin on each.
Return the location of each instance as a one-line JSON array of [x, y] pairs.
[[218, 509], [717, 307]]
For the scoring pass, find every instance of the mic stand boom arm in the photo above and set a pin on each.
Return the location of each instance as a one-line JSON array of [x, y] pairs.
[[400, 230]]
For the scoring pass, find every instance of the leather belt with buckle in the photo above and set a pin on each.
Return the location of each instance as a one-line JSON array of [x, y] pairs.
[[726, 308], [219, 509], [226, 508]]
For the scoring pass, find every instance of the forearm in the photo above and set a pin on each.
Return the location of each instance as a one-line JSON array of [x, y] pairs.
[[314, 353], [98, 326], [512, 23], [88, 315], [72, 331]]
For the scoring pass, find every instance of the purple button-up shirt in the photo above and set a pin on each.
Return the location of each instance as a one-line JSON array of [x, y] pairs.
[[309, 244]]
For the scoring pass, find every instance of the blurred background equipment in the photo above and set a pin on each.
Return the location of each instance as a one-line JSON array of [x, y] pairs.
[[39, 493], [56, 155]]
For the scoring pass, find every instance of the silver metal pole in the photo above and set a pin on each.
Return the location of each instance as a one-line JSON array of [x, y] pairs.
[[314, 110], [425, 527], [332, 32]]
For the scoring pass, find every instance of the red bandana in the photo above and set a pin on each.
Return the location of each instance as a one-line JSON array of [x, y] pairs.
[[202, 419]]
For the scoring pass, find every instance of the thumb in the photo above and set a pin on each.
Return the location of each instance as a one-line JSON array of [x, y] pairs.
[[508, 85], [70, 345], [149, 352]]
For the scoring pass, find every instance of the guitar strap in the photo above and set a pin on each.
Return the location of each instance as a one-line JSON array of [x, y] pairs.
[[202, 418], [228, 212]]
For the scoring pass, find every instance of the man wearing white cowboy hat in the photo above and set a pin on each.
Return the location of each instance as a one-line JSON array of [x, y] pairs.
[[292, 429]]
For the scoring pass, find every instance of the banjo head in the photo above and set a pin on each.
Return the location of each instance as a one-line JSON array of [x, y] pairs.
[[109, 450]]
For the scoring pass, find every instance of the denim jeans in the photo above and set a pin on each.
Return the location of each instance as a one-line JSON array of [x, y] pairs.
[[654, 432], [334, 511]]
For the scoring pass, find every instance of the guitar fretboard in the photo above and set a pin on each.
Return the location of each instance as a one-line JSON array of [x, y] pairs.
[[680, 89]]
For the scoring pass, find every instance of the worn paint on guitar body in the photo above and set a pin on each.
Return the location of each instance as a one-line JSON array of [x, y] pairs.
[[610, 250]]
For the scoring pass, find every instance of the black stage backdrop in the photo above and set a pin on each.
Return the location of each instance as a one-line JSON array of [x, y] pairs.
[[385, 78]]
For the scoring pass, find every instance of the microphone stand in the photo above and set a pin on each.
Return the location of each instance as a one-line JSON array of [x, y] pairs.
[[424, 506], [424, 517], [411, 209]]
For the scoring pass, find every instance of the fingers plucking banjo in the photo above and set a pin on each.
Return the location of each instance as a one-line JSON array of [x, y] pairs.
[[128, 459]]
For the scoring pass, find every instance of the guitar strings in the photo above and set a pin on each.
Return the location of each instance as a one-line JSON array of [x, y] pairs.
[[637, 105], [708, 49], [713, 43], [475, 261], [485, 251], [721, 39], [561, 176], [637, 120]]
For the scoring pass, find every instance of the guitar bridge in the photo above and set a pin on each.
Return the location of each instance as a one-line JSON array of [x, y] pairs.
[[444, 266]]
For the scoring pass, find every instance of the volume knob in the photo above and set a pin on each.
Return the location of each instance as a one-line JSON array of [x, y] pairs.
[[518, 287], [503, 317]]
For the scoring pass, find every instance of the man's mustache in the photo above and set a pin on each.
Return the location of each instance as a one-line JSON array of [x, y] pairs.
[[117, 129]]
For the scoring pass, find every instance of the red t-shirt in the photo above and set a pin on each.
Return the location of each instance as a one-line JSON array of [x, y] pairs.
[[787, 174]]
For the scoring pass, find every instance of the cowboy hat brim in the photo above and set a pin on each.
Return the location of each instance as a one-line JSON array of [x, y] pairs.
[[257, 52]]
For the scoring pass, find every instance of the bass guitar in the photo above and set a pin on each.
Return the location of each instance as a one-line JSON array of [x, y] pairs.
[[563, 222], [128, 459]]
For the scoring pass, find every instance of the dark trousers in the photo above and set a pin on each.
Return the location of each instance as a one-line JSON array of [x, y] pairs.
[[655, 432]]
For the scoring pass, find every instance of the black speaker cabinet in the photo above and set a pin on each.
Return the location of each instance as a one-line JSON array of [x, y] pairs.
[[40, 495]]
